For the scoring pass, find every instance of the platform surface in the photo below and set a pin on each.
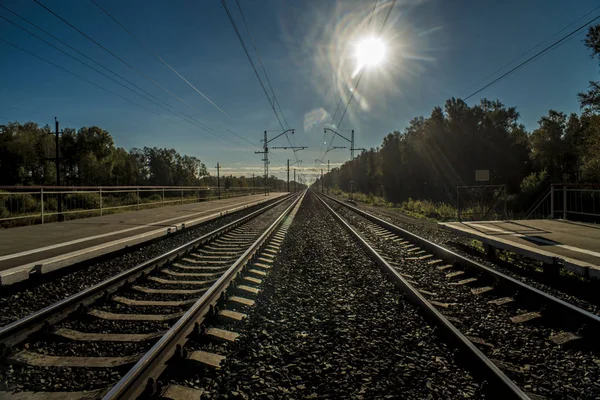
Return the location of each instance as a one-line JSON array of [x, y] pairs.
[[575, 244], [30, 244]]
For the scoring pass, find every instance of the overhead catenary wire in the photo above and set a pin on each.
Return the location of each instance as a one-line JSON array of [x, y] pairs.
[[167, 107], [79, 76], [274, 96], [532, 58], [239, 36], [118, 58], [187, 118], [158, 57], [531, 49], [329, 146], [362, 71]]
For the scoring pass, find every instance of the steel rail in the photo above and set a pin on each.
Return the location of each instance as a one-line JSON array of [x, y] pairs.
[[19, 330], [142, 377], [502, 385], [586, 323]]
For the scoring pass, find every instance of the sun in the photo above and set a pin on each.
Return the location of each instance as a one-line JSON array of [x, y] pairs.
[[370, 51]]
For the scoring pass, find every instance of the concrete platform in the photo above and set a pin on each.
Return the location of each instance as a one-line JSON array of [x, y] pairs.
[[44, 248], [576, 245]]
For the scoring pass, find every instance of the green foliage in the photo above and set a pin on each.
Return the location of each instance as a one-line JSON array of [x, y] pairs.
[[534, 183], [428, 209], [89, 158]]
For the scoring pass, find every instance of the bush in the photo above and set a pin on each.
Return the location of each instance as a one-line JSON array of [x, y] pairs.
[[85, 201]]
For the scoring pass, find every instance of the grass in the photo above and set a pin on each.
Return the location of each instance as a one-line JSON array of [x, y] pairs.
[[422, 209]]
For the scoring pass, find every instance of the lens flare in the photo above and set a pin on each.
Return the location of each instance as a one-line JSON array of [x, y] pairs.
[[370, 52]]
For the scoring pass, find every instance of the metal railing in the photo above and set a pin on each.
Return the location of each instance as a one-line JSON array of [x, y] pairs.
[[23, 205], [568, 201]]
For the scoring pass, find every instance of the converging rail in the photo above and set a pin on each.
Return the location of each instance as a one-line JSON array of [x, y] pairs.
[[493, 374], [453, 289], [142, 378], [209, 264]]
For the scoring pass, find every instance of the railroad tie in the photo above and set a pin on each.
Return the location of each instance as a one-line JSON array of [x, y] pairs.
[[106, 337], [525, 317], [209, 359], [241, 300], [501, 301], [222, 334], [133, 317], [177, 392], [148, 290], [153, 303], [26, 357], [481, 290], [252, 279], [206, 283], [91, 394], [237, 316]]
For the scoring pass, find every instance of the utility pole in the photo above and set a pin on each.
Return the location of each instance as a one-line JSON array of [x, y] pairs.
[[352, 148], [265, 154], [321, 180], [288, 175], [218, 180], [253, 183], [60, 216], [294, 180], [328, 177]]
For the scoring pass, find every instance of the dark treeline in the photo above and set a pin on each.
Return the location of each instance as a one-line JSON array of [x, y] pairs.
[[435, 154], [89, 157]]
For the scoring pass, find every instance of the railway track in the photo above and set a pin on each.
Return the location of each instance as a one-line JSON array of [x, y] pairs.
[[81, 346], [526, 341]]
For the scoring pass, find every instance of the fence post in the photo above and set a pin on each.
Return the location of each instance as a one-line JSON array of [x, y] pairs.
[[163, 197], [565, 202], [181, 196], [138, 198], [552, 201], [458, 204], [42, 202], [505, 213], [100, 191]]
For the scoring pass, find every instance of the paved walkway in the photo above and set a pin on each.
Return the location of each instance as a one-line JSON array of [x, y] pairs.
[[574, 244], [37, 244]]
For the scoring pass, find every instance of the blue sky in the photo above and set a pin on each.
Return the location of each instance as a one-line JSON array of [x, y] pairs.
[[436, 49]]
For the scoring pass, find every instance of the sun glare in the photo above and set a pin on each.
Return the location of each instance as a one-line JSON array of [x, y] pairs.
[[370, 51]]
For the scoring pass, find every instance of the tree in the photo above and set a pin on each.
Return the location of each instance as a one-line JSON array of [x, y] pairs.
[[590, 100]]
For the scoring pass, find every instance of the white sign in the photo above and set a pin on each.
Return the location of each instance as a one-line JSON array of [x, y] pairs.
[[482, 175]]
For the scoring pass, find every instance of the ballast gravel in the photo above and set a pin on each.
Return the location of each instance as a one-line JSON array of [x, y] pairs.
[[14, 306], [328, 324], [430, 231], [523, 351]]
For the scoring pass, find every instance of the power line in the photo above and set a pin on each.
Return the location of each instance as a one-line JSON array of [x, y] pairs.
[[158, 57], [275, 101], [546, 49], [77, 51], [185, 117], [118, 58], [80, 77], [237, 32], [342, 96], [361, 72], [531, 49], [261, 63]]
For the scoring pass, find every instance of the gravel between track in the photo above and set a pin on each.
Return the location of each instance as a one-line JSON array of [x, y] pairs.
[[429, 230], [328, 324], [69, 379], [14, 306], [538, 365]]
